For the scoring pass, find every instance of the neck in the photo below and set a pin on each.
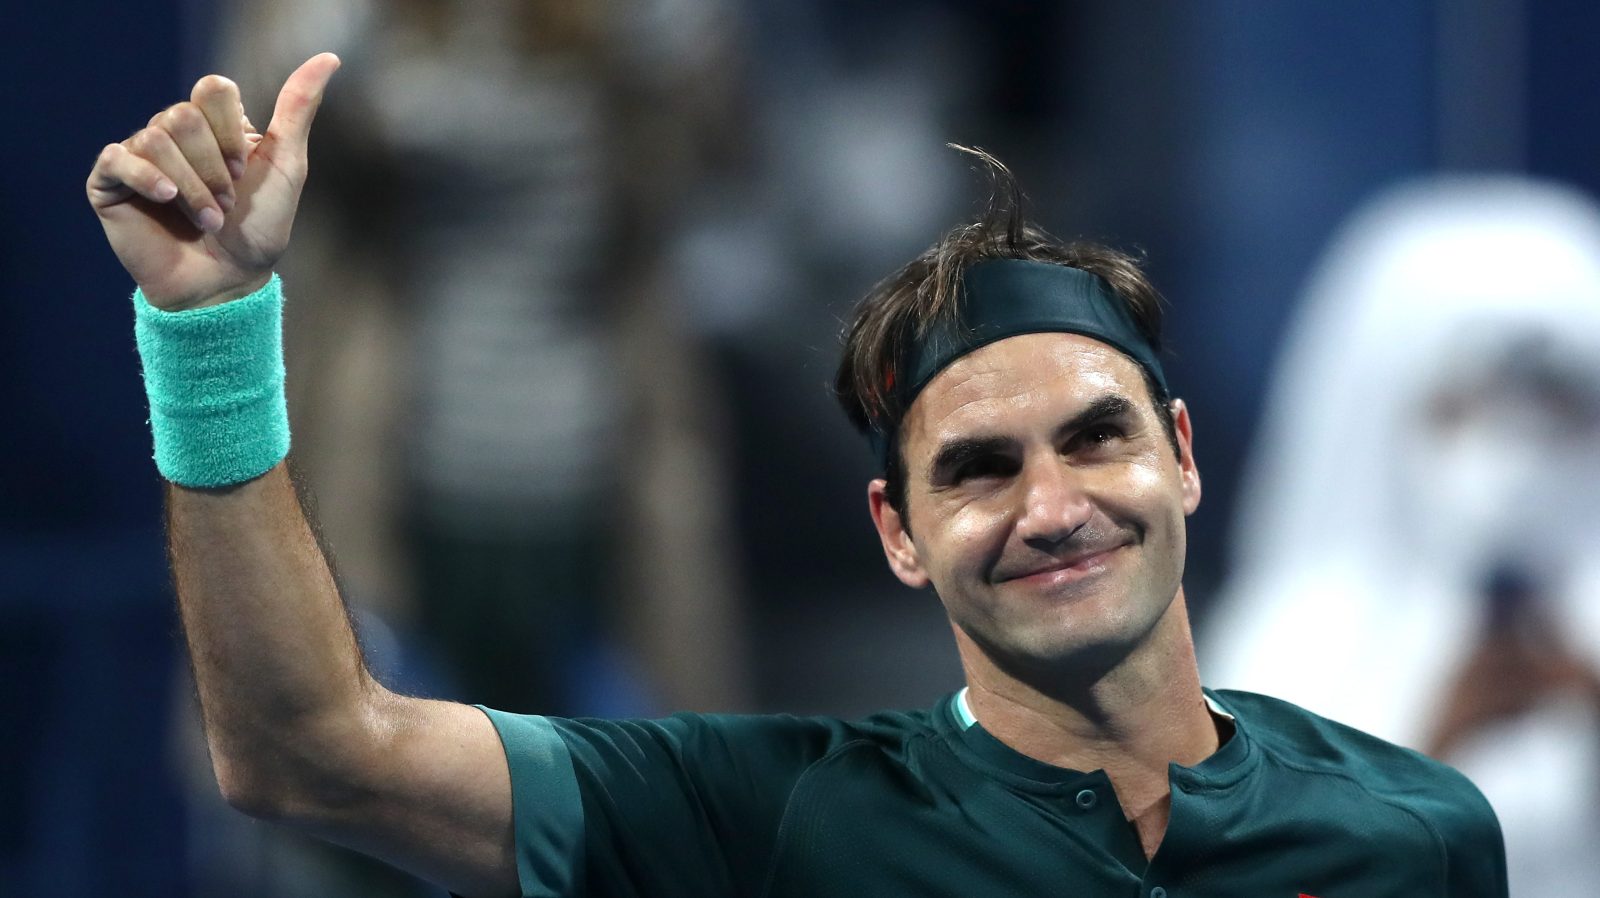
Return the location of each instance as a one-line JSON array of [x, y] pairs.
[[1131, 721]]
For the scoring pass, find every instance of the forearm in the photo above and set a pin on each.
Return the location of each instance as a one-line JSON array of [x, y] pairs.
[[298, 730], [284, 692]]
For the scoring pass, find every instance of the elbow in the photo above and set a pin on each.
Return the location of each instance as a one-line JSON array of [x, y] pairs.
[[299, 777], [249, 791], [295, 798], [267, 782]]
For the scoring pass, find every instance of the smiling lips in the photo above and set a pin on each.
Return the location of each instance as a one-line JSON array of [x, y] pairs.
[[1065, 570]]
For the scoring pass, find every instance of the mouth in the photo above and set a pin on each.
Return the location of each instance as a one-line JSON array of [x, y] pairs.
[[1067, 570]]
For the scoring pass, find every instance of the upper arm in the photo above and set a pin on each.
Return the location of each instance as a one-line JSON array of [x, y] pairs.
[[490, 804], [688, 805], [1466, 825], [1476, 852], [428, 791]]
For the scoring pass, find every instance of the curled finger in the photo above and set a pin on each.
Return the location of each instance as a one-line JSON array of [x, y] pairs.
[[194, 197], [218, 99], [119, 174], [191, 131]]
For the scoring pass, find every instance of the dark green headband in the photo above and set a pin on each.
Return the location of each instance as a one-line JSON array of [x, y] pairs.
[[1006, 297]]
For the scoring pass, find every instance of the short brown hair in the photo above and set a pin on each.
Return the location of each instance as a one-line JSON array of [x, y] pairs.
[[926, 292]]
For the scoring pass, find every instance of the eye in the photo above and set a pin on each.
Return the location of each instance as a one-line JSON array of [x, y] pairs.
[[1096, 435], [985, 466]]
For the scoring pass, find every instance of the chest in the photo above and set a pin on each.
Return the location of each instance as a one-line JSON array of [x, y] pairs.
[[977, 837]]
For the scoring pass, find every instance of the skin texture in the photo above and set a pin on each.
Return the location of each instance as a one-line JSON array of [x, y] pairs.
[[1056, 543], [198, 207]]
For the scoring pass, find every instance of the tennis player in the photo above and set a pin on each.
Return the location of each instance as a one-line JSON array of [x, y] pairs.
[[1036, 475]]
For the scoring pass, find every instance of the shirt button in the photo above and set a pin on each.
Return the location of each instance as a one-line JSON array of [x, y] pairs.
[[1158, 892], [1086, 800]]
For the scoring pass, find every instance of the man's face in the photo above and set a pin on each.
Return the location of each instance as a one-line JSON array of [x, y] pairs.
[[1045, 500]]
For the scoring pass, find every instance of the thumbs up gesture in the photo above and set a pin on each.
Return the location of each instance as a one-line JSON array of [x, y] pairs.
[[198, 204]]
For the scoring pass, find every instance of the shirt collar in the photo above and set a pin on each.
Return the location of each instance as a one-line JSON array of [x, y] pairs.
[[964, 716], [1223, 767]]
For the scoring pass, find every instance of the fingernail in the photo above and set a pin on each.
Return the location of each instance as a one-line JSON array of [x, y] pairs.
[[210, 220], [236, 168], [166, 190], [225, 201]]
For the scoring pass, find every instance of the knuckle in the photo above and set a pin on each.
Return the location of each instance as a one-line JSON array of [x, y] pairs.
[[297, 99], [145, 141], [194, 191], [183, 118], [214, 85]]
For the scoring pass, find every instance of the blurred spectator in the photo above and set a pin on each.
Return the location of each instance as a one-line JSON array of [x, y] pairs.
[[498, 393], [1418, 553], [514, 452]]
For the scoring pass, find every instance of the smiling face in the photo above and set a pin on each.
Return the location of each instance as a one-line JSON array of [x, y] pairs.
[[1046, 503]]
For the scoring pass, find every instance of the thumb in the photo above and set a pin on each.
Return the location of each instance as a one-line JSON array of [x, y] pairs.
[[298, 101]]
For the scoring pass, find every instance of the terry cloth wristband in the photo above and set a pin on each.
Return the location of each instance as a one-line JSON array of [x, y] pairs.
[[214, 376]]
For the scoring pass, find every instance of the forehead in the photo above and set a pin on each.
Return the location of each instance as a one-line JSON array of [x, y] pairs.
[[1018, 381]]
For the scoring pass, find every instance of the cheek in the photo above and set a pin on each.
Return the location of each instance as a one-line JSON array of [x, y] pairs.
[[972, 536], [1160, 491], [1147, 491], [1146, 478]]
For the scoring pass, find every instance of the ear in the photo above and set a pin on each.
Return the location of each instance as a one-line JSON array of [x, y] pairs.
[[1186, 465], [897, 545]]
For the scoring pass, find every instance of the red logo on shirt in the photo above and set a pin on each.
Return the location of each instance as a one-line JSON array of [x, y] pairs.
[[1304, 895]]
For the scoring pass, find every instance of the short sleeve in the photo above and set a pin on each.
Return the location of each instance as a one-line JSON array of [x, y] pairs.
[[1475, 848], [687, 805], [547, 813]]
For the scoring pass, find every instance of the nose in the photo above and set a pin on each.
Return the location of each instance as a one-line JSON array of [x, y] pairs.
[[1054, 503]]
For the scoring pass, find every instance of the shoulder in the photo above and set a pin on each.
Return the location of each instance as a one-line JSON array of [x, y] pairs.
[[1434, 793], [718, 736], [1310, 742], [734, 741], [808, 739], [730, 729], [674, 805]]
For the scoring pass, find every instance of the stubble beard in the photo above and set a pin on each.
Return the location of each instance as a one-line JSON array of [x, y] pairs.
[[1068, 647]]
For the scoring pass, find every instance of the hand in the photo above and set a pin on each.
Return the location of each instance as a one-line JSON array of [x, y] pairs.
[[198, 205], [1505, 678]]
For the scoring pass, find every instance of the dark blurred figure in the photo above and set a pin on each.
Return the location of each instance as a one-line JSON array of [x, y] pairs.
[[1419, 552], [519, 466], [531, 160]]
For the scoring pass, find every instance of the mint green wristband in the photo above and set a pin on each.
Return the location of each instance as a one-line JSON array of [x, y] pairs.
[[214, 377]]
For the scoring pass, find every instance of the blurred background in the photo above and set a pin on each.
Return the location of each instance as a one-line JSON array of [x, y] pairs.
[[565, 296]]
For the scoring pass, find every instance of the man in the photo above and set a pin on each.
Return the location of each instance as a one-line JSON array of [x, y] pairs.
[[1037, 475]]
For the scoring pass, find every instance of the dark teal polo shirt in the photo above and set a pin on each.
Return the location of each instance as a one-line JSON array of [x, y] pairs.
[[916, 803]]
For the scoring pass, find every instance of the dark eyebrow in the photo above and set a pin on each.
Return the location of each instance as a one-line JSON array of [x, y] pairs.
[[1108, 406], [957, 452]]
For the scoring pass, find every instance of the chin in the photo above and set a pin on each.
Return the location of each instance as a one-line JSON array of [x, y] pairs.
[[1082, 639], [1054, 650]]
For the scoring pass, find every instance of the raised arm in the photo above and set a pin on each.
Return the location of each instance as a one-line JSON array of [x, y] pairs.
[[198, 207]]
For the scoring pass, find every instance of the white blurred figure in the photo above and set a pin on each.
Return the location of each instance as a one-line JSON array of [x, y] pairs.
[[1418, 548]]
